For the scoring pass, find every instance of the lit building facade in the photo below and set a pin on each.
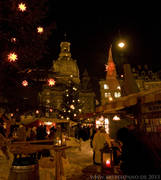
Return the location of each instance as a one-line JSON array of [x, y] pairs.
[[110, 88], [65, 70]]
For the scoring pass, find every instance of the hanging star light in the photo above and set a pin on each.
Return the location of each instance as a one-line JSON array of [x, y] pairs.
[[24, 83], [51, 82], [40, 30], [12, 57], [22, 7]]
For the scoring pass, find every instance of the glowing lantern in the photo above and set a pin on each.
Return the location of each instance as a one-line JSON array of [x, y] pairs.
[[12, 57], [106, 158], [24, 83], [110, 99], [75, 115], [22, 7], [51, 82], [40, 29]]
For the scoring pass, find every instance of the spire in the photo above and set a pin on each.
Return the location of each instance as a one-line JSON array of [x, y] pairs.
[[110, 67], [111, 76]]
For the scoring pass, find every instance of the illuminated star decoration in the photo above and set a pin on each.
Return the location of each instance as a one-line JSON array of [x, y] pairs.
[[40, 29], [24, 83], [110, 68], [51, 82], [12, 57], [22, 7]]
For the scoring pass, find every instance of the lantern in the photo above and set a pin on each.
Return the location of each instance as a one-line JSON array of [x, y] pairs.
[[106, 159]]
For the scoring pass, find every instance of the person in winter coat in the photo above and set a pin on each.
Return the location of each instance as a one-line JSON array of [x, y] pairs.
[[100, 139]]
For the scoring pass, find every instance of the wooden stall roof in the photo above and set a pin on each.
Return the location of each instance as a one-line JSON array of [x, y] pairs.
[[130, 100]]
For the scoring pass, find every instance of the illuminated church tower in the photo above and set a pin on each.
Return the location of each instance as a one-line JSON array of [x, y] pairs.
[[110, 88]]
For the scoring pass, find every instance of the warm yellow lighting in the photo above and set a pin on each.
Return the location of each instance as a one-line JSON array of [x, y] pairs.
[[72, 106], [24, 83], [110, 99], [48, 123], [37, 111], [116, 118], [13, 39], [121, 44], [75, 115], [12, 57], [51, 82], [74, 88], [22, 7], [80, 110], [122, 75], [51, 110], [40, 29], [11, 114]]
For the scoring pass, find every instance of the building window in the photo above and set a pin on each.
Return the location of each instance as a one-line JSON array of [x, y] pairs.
[[117, 94], [107, 94], [118, 87], [106, 86]]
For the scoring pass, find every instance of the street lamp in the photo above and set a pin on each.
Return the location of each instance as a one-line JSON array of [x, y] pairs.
[[121, 44]]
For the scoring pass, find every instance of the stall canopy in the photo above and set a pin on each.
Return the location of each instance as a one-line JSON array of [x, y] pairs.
[[130, 100]]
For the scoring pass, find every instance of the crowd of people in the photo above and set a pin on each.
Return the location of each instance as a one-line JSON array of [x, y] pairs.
[[130, 149]]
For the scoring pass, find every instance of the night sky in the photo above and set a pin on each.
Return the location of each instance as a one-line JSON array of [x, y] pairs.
[[92, 27]]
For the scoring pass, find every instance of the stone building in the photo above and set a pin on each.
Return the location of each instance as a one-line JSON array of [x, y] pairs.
[[145, 78], [110, 88], [64, 70]]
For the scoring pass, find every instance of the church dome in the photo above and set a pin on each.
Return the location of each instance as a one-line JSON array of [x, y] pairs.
[[65, 66]]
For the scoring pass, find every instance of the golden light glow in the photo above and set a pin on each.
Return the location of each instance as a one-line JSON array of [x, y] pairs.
[[121, 44], [75, 115], [51, 110], [22, 7], [72, 106], [12, 57], [116, 118], [24, 83], [37, 111], [40, 29], [13, 39], [48, 123], [110, 99], [51, 82]]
